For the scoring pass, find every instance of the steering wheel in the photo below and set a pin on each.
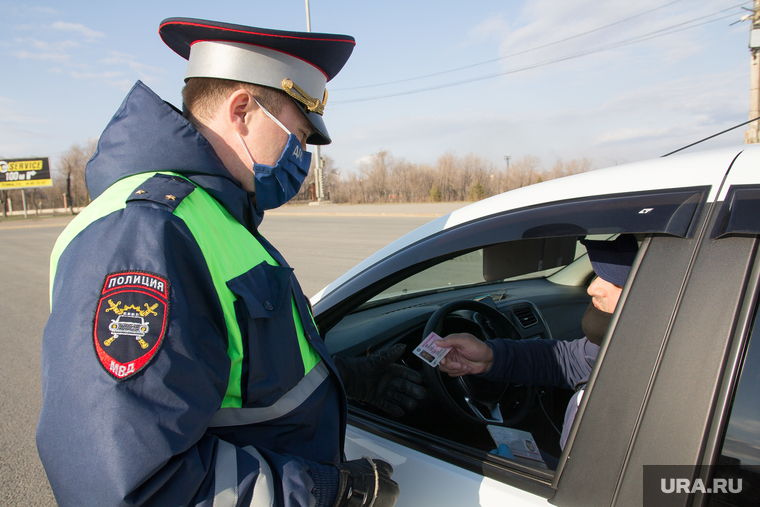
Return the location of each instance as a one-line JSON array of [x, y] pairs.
[[474, 397]]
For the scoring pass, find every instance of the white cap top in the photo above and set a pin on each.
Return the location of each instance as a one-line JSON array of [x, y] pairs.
[[253, 64]]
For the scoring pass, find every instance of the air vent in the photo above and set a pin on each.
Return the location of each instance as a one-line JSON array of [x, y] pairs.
[[525, 316]]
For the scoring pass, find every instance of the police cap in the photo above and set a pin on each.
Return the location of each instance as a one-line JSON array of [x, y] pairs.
[[298, 63]]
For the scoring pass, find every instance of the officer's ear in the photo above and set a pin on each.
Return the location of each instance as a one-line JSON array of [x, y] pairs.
[[237, 110]]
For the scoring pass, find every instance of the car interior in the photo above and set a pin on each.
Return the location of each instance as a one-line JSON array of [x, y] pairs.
[[526, 289]]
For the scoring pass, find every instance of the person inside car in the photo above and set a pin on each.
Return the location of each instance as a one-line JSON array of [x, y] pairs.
[[556, 363]]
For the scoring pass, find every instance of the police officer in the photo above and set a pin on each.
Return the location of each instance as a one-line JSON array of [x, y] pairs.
[[180, 363]]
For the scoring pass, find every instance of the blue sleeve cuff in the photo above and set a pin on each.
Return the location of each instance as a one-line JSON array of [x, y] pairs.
[[498, 369], [326, 479]]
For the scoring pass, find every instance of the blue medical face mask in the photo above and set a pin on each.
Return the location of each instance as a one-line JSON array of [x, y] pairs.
[[277, 184]]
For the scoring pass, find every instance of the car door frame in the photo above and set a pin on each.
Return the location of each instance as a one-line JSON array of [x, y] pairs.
[[675, 402]]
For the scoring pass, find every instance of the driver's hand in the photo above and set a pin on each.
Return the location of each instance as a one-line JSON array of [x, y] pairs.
[[378, 379], [468, 355]]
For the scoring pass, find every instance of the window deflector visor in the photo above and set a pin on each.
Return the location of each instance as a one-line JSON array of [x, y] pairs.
[[740, 214]]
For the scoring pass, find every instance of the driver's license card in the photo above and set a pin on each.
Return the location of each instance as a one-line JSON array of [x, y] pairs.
[[429, 352]]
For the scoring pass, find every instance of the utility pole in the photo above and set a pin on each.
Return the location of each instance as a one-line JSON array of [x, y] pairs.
[[751, 135], [319, 181]]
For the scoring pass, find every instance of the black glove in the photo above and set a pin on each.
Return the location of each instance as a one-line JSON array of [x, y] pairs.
[[366, 483], [377, 380]]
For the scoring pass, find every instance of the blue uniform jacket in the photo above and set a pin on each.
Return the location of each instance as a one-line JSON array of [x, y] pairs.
[[555, 363], [144, 439]]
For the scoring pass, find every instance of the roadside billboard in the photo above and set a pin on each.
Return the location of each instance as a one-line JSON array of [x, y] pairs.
[[25, 173]]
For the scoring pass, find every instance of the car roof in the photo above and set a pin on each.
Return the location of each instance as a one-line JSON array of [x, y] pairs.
[[695, 169]]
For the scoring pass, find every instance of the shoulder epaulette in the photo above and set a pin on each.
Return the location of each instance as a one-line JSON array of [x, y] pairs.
[[162, 189]]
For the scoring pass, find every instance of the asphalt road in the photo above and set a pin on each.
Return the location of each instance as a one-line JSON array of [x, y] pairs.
[[320, 242], [321, 248]]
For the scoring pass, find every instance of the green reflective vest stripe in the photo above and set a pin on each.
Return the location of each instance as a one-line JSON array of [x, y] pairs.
[[98, 208], [228, 249]]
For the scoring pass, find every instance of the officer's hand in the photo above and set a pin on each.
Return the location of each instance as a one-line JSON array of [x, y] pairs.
[[376, 379], [366, 482]]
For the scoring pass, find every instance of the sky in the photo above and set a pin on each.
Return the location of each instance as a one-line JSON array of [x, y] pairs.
[[609, 80]]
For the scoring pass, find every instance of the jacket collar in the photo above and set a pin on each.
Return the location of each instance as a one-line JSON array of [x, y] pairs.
[[147, 134]]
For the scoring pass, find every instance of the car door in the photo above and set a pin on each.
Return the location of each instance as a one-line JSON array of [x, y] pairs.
[[689, 304], [610, 438]]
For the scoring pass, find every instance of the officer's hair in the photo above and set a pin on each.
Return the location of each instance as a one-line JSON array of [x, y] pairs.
[[202, 97]]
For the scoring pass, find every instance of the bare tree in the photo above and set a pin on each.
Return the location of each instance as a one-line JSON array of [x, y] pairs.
[[376, 176], [523, 172], [575, 166], [421, 180], [384, 178], [381, 178], [483, 172], [71, 168], [331, 177], [447, 176]]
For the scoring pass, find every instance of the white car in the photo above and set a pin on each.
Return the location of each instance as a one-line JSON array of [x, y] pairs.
[[677, 380]]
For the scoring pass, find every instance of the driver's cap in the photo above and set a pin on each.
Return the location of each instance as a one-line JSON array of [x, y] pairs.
[[612, 260]]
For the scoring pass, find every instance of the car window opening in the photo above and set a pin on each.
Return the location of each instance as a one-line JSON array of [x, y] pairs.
[[539, 285]]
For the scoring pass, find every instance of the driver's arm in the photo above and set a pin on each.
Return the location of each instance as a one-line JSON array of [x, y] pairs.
[[532, 362], [468, 355], [542, 362]]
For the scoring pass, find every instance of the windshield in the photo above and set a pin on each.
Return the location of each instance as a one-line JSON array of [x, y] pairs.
[[466, 269], [514, 260]]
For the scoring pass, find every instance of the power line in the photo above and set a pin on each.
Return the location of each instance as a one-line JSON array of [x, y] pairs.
[[529, 67], [710, 137], [509, 55], [626, 42]]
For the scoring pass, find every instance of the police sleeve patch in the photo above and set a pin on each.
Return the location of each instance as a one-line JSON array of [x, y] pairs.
[[130, 321]]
